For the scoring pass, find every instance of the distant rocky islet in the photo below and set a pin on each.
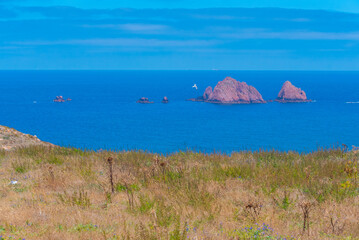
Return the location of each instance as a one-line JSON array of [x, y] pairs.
[[144, 100], [291, 94], [165, 100], [231, 91], [61, 99]]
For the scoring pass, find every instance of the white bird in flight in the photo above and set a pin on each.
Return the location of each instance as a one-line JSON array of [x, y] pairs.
[[195, 86]]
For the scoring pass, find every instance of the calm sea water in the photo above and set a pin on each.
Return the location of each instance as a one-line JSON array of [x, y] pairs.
[[104, 113]]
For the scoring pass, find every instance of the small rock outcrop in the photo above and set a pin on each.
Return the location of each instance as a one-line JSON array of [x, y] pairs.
[[291, 94], [231, 91], [165, 100], [61, 99], [143, 100], [207, 92]]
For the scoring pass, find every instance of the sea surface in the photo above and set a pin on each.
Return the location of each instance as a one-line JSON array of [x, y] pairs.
[[104, 114]]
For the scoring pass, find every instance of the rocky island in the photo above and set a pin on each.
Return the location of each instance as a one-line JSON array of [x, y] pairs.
[[61, 99], [291, 94], [143, 100], [230, 91], [165, 100]]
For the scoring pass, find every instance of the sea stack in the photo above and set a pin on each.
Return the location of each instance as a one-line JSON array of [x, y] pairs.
[[291, 94], [165, 100], [231, 91], [143, 100]]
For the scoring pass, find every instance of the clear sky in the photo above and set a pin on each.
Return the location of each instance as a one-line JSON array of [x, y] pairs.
[[179, 34], [336, 5]]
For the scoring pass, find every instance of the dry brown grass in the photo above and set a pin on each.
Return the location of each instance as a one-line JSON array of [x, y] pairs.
[[67, 193], [11, 138]]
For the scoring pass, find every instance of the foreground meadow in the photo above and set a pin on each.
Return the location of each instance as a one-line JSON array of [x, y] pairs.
[[65, 193]]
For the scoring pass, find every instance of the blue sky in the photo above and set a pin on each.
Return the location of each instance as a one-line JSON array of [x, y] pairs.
[[335, 5], [179, 34]]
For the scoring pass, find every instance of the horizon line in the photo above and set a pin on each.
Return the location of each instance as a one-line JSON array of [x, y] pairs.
[[190, 8], [254, 70]]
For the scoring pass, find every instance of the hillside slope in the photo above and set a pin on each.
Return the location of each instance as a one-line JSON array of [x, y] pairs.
[[11, 138]]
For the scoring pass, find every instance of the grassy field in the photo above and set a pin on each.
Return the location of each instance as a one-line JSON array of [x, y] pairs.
[[64, 193]]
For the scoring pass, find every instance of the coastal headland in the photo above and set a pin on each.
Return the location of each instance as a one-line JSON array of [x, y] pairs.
[[11, 138]]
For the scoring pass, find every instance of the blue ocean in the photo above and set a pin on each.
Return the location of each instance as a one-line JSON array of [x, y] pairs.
[[103, 113]]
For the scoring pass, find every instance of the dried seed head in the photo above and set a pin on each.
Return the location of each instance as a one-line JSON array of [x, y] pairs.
[[156, 160], [110, 160], [249, 206]]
